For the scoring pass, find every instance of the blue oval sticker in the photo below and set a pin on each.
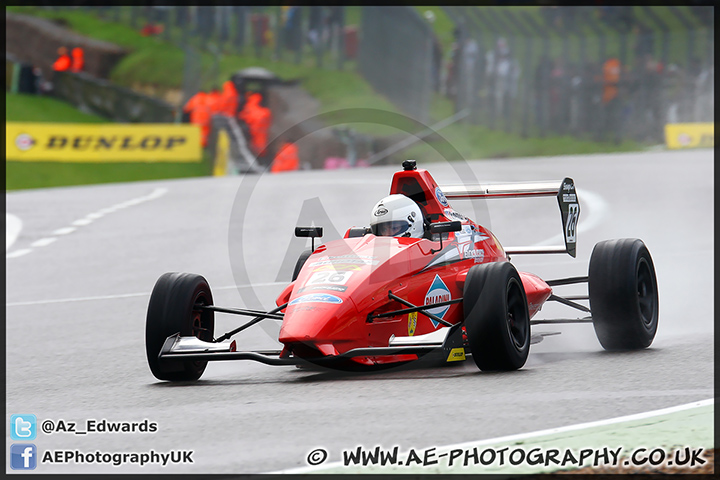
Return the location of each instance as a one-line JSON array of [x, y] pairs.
[[441, 197], [316, 298]]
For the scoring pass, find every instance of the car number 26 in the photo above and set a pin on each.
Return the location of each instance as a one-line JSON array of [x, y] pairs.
[[337, 278]]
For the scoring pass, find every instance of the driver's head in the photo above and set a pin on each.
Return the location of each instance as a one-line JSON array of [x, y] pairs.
[[397, 216]]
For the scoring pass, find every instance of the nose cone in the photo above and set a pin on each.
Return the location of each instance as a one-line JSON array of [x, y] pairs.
[[318, 318], [338, 286]]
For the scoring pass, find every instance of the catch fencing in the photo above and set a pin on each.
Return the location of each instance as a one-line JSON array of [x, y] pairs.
[[394, 48], [398, 56], [298, 34], [601, 73], [594, 72]]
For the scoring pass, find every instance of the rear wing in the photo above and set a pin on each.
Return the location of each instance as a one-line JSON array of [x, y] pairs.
[[564, 191]]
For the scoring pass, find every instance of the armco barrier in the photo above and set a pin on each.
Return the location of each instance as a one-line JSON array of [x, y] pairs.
[[111, 101]]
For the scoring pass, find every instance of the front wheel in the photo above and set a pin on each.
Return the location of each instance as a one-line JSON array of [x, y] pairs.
[[173, 309], [623, 294], [300, 263], [496, 316]]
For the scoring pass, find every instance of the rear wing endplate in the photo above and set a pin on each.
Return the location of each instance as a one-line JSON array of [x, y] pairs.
[[564, 191]]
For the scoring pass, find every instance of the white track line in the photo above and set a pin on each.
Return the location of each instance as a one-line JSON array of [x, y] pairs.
[[64, 231], [43, 242], [18, 253], [122, 295], [539, 433], [14, 224]]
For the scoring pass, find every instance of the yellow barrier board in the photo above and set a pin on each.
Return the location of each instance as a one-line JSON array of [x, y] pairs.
[[690, 135], [88, 142], [222, 151]]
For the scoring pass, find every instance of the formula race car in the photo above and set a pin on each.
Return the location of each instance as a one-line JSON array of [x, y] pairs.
[[374, 299]]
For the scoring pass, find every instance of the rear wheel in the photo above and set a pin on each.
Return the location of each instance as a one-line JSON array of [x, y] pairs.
[[496, 316], [623, 294], [172, 310]]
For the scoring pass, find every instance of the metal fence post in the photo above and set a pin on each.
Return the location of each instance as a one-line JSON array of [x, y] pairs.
[[391, 56], [490, 73], [690, 32], [279, 40], [240, 19], [223, 14], [504, 102], [428, 75], [461, 66], [316, 33], [526, 86], [256, 32], [167, 12], [134, 12], [299, 37], [535, 97], [339, 15], [209, 26], [191, 77]]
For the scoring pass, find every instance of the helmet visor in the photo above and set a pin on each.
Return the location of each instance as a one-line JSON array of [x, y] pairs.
[[390, 229]]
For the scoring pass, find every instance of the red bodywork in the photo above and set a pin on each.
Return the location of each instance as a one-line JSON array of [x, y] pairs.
[[344, 281]]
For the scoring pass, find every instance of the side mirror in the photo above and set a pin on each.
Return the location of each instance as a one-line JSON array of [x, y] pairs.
[[358, 232], [443, 227], [311, 232]]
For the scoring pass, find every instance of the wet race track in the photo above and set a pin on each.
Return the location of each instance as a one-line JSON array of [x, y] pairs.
[[80, 273]]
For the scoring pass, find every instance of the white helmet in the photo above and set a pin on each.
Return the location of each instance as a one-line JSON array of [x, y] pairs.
[[397, 216]]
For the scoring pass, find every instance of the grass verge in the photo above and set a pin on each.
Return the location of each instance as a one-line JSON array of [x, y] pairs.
[[24, 175], [34, 108]]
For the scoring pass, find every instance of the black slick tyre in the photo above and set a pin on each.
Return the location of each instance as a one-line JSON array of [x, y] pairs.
[[172, 310], [623, 294], [496, 316], [300, 262]]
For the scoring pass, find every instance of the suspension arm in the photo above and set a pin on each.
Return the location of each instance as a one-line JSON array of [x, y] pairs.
[[420, 309], [251, 323], [240, 311]]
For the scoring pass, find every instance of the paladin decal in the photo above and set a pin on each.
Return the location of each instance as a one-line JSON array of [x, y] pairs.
[[438, 292]]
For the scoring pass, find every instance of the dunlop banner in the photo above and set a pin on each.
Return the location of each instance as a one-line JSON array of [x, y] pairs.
[[690, 135], [89, 142]]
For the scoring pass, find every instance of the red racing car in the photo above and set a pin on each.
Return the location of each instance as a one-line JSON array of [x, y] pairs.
[[422, 279]]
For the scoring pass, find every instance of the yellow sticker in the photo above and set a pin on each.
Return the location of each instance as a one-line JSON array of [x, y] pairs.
[[222, 151], [107, 142], [456, 355], [690, 135], [412, 323]]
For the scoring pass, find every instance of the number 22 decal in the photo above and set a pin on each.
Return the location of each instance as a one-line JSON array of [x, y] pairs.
[[573, 214], [337, 278]]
